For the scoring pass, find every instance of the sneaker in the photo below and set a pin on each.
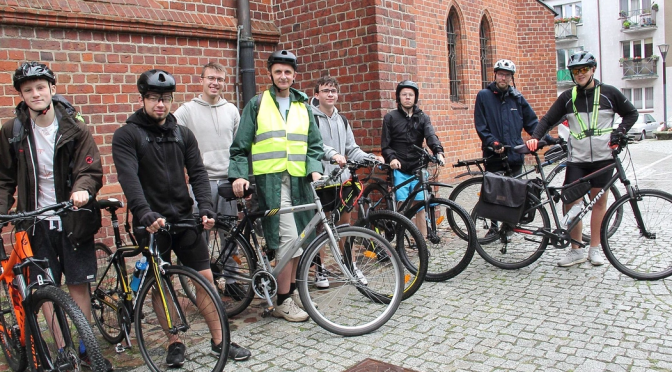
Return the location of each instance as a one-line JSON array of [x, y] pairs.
[[595, 257], [235, 291], [321, 281], [175, 357], [236, 352], [360, 276], [290, 312], [493, 231], [297, 300], [573, 257], [86, 362]]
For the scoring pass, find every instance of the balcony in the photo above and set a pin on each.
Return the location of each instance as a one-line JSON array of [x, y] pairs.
[[640, 68], [566, 31], [640, 20], [564, 78]]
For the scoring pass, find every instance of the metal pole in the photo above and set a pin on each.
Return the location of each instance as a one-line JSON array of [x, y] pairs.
[[663, 52]]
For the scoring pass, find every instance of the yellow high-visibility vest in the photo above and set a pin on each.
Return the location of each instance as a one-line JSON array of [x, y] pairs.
[[280, 145]]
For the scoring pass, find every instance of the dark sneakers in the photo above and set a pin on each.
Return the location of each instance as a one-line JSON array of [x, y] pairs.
[[175, 357], [236, 352]]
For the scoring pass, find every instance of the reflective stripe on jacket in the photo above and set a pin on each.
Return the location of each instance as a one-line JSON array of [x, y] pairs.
[[280, 145]]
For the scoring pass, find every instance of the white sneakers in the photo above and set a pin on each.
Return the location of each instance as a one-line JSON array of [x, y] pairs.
[[321, 281], [290, 311], [577, 256]]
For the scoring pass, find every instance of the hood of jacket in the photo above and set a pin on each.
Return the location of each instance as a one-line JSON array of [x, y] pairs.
[[315, 106], [141, 118], [199, 100], [510, 91]]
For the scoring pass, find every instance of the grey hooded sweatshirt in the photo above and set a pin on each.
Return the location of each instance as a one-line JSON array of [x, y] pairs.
[[215, 127], [337, 139]]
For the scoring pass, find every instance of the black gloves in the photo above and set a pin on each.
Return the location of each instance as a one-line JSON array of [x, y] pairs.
[[149, 218], [206, 212]]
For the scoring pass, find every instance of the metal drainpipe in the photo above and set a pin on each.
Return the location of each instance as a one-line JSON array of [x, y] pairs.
[[246, 52], [599, 38]]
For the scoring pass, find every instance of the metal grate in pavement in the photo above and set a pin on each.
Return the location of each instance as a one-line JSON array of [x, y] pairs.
[[371, 365]]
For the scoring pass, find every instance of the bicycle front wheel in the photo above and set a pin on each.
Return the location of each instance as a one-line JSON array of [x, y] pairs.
[[515, 247], [408, 242], [106, 297], [165, 316], [376, 198], [640, 247], [10, 332], [363, 293], [450, 245], [60, 335]]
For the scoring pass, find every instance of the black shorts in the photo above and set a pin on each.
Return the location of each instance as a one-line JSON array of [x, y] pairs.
[[575, 171], [77, 264], [189, 246], [495, 167], [330, 197]]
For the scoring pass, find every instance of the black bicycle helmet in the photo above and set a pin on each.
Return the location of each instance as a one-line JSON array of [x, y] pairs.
[[282, 56], [158, 81], [408, 84], [580, 59], [32, 71]]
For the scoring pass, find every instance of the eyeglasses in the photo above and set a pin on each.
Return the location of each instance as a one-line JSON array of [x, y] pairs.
[[329, 91], [166, 98], [506, 75], [212, 79], [581, 70]]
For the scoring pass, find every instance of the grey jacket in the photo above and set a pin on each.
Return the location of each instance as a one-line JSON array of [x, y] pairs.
[[337, 139]]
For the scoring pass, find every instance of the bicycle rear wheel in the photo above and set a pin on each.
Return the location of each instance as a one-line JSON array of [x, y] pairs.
[[450, 245], [10, 333], [466, 195], [193, 324], [406, 239], [106, 296], [515, 247], [364, 292], [640, 250], [62, 337]]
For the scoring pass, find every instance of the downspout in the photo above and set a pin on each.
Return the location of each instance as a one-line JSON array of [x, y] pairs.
[[245, 52], [599, 38]]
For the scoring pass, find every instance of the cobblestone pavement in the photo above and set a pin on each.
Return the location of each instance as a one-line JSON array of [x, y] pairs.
[[539, 318]]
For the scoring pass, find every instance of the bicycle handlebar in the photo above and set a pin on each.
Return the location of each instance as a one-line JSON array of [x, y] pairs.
[[63, 206], [522, 149]]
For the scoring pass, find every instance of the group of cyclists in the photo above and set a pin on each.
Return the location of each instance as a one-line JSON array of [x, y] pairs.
[[282, 141]]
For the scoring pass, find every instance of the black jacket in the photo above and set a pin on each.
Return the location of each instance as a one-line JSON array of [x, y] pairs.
[[77, 165], [401, 132], [152, 173], [501, 117]]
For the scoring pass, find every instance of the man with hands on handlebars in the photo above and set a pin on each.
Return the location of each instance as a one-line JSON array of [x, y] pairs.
[[590, 107]]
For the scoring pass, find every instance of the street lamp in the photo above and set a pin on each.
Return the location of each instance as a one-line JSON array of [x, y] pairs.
[[663, 52]]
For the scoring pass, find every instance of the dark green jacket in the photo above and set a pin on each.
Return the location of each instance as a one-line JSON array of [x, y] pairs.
[[268, 185]]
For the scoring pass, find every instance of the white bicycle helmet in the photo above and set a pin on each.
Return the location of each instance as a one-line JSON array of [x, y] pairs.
[[506, 65]]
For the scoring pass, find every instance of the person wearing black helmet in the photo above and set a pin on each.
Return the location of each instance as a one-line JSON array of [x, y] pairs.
[[278, 131], [590, 108], [501, 113], [151, 153], [48, 156], [402, 129]]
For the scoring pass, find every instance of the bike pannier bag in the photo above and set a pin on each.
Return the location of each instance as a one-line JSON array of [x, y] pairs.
[[534, 187], [502, 198]]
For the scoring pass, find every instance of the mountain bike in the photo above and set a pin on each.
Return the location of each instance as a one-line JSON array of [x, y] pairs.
[[41, 327], [163, 310], [638, 248], [451, 236], [364, 291]]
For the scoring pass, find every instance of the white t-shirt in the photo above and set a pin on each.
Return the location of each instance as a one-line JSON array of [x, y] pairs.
[[45, 141]]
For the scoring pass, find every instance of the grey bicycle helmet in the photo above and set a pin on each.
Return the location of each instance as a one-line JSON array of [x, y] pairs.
[[32, 71], [408, 84], [158, 81], [282, 56], [506, 65], [581, 59]]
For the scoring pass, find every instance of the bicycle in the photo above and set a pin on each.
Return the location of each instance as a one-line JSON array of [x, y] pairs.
[[41, 327], [353, 304], [163, 314], [450, 250], [467, 192], [643, 230]]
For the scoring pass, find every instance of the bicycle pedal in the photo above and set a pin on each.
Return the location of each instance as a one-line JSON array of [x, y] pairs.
[[119, 348], [268, 311]]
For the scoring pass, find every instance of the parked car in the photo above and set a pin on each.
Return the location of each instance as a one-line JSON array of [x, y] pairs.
[[644, 127]]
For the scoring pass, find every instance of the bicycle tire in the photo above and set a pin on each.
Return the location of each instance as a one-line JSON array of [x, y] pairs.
[[10, 332], [191, 329], [237, 265], [466, 195], [66, 316], [510, 249], [106, 295], [375, 198], [639, 257], [351, 307], [450, 251], [408, 242]]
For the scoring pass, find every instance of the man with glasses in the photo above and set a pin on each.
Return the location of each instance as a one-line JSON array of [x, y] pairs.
[[151, 153], [500, 115], [590, 108]]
